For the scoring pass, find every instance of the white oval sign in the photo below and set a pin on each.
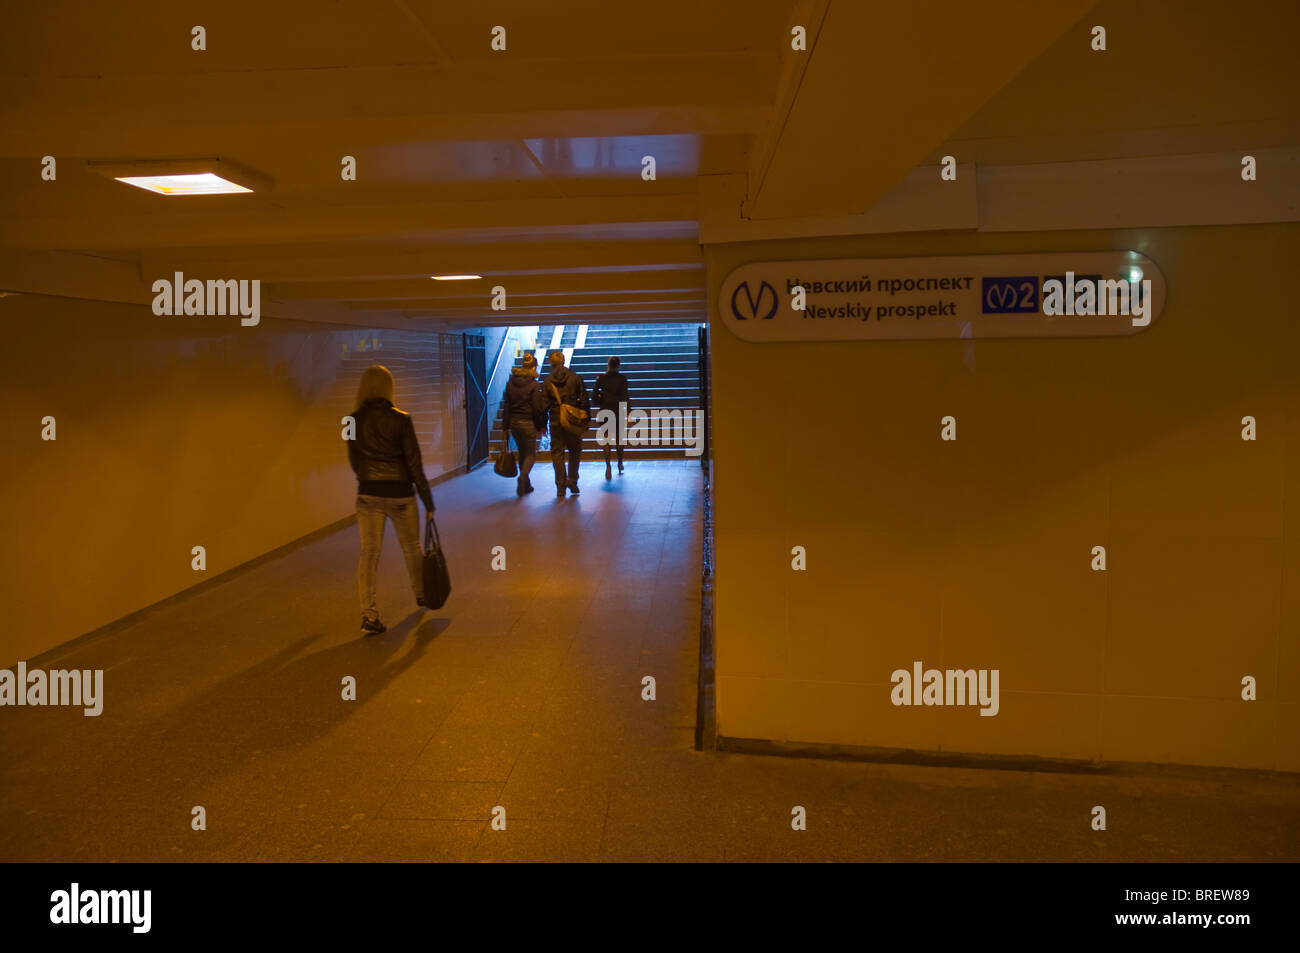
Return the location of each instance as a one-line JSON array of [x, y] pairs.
[[1070, 294]]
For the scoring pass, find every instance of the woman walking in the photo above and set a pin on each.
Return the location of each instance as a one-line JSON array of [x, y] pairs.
[[385, 456], [524, 417], [611, 394]]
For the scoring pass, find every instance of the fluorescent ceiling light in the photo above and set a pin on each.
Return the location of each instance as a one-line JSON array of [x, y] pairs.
[[454, 277], [199, 183], [184, 176]]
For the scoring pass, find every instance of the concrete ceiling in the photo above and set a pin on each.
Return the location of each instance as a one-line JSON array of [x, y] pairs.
[[886, 83], [1192, 76], [525, 166]]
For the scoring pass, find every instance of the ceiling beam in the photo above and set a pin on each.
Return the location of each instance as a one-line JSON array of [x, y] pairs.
[[139, 116], [563, 306], [175, 224], [517, 286], [490, 318], [810, 14], [498, 258], [69, 275]]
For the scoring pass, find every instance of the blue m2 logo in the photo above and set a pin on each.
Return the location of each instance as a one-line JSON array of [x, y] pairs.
[[1018, 295]]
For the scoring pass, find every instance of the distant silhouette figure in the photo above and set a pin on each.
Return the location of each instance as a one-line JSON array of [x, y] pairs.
[[385, 456], [611, 391]]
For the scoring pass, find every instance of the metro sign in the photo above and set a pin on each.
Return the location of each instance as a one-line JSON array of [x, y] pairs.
[[967, 296], [746, 305]]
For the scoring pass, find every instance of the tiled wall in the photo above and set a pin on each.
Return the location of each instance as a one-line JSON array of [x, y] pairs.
[[181, 431], [977, 553]]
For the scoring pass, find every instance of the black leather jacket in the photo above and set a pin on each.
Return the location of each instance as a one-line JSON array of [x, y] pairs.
[[385, 449], [610, 390]]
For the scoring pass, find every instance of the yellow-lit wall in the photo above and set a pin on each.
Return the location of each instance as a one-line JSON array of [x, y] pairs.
[[177, 432], [977, 553]]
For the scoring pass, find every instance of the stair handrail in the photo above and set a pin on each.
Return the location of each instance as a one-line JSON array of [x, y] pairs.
[[491, 378], [497, 362]]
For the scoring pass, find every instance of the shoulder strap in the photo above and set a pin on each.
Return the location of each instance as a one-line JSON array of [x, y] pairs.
[[558, 399]]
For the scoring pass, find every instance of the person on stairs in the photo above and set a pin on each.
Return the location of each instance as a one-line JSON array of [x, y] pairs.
[[610, 392], [563, 386], [524, 417]]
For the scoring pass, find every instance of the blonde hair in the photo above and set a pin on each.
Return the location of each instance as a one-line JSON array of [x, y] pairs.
[[376, 381]]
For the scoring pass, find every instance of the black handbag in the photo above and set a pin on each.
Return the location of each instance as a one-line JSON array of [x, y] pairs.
[[506, 465], [437, 583]]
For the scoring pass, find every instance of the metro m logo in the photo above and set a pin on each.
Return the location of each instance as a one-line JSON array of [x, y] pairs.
[[751, 303]]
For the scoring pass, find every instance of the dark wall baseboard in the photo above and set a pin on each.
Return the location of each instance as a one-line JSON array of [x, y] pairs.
[[953, 759], [706, 708], [220, 579], [706, 714]]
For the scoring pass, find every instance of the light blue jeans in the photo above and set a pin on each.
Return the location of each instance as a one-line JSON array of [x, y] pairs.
[[404, 511]]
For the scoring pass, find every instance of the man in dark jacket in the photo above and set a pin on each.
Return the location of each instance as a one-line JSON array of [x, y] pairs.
[[611, 394], [564, 387], [524, 414], [385, 456]]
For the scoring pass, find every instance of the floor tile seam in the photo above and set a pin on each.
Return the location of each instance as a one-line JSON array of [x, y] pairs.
[[487, 824]]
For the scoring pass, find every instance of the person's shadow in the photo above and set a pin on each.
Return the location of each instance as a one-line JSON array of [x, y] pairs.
[[278, 706]]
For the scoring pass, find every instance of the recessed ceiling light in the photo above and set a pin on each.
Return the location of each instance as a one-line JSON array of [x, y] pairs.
[[184, 176], [454, 277], [199, 183]]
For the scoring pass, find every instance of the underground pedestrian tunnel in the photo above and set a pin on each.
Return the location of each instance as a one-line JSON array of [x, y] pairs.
[[898, 536]]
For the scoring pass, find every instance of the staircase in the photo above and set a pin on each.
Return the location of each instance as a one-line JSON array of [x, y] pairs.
[[661, 363]]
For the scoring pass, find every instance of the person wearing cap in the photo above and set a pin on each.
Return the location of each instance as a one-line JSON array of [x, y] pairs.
[[524, 417], [563, 386]]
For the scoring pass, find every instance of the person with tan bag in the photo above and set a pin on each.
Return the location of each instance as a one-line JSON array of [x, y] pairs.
[[570, 409]]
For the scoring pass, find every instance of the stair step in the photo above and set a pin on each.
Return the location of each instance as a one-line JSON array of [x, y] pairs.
[[661, 362], [649, 365], [601, 356], [597, 454], [650, 411]]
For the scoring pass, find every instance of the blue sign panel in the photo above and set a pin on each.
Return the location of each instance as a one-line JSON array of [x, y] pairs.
[[1012, 295]]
